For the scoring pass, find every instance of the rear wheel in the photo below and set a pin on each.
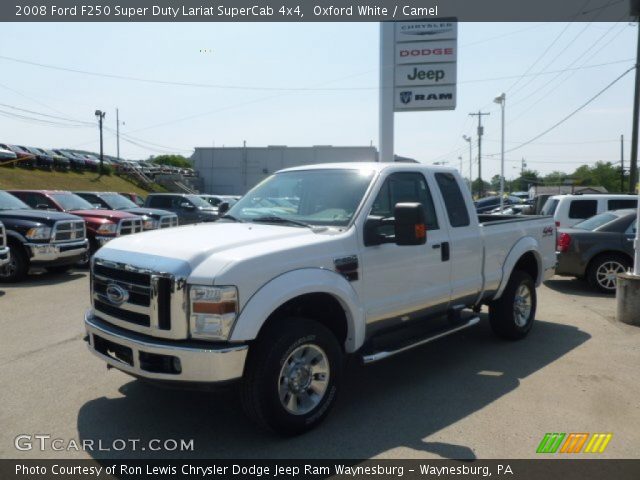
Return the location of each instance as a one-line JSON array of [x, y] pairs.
[[18, 266], [604, 269], [512, 315], [292, 376]]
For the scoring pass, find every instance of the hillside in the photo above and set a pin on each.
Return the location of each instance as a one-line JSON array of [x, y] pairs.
[[20, 178]]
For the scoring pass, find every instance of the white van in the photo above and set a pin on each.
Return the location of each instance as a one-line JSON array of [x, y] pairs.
[[567, 210]]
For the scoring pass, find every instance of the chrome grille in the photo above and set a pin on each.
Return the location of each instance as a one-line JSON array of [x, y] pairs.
[[149, 304], [169, 221], [129, 226], [69, 231]]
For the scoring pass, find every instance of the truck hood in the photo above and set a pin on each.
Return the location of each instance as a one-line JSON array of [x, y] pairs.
[[150, 212], [194, 244], [100, 213], [43, 216]]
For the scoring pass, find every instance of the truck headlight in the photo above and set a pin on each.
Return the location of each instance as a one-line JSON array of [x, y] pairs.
[[213, 311], [149, 223], [39, 233], [108, 228]]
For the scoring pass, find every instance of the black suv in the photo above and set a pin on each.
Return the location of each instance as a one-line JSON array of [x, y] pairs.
[[189, 208]]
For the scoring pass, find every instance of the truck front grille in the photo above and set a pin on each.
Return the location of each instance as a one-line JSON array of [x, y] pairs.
[[129, 226], [136, 299], [169, 221], [69, 231]]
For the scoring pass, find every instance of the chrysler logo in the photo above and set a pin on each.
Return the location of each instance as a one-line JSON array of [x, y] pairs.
[[116, 294]]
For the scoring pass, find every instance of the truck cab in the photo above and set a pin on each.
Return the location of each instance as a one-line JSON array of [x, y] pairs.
[[363, 259]]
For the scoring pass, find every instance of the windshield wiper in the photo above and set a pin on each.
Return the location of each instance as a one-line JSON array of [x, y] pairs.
[[276, 219], [232, 218]]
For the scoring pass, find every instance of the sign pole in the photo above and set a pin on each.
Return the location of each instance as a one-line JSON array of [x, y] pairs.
[[385, 134]]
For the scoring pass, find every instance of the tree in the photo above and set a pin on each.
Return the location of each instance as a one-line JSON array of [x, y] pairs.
[[601, 174], [476, 186], [555, 178], [526, 179], [172, 160], [495, 183]]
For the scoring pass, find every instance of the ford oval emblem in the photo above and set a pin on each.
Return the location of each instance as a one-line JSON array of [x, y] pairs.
[[116, 294]]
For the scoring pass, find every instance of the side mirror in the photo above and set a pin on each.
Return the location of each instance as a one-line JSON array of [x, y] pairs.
[[223, 208], [410, 223], [187, 206]]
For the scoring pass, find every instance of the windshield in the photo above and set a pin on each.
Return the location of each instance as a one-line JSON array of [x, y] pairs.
[[199, 202], [550, 207], [596, 221], [9, 202], [316, 197], [71, 201], [117, 202]]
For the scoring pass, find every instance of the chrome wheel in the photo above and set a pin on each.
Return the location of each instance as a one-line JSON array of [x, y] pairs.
[[303, 379], [607, 273], [522, 304]]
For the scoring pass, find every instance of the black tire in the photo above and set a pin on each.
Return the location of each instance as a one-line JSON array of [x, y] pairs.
[[509, 320], [18, 266], [59, 269], [261, 386], [597, 272]]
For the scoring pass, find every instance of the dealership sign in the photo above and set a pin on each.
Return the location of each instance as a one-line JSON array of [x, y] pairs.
[[425, 65]]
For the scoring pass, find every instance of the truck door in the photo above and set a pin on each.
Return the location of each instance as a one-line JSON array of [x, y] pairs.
[[400, 282]]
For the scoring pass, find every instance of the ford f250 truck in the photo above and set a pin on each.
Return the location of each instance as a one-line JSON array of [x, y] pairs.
[[364, 259], [55, 241]]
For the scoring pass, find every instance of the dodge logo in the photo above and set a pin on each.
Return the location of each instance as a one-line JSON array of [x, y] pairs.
[[116, 294], [405, 97]]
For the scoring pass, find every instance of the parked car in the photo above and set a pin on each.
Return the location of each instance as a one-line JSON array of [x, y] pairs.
[[53, 240], [42, 160], [102, 225], [60, 162], [77, 162], [598, 249], [378, 258], [216, 200], [152, 218], [91, 162], [25, 157], [134, 197], [189, 208], [7, 156], [521, 195], [487, 204], [4, 249], [567, 210]]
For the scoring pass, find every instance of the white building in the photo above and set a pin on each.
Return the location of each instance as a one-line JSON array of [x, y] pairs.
[[235, 170]]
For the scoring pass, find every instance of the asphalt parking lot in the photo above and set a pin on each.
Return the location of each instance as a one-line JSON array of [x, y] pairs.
[[466, 396]]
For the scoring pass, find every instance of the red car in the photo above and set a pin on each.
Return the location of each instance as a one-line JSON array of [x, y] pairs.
[[102, 225]]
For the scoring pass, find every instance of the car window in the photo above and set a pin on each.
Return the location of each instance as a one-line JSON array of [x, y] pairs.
[[596, 221], [622, 203], [35, 199], [453, 200], [93, 199], [403, 188], [631, 230], [160, 201], [550, 206], [583, 208]]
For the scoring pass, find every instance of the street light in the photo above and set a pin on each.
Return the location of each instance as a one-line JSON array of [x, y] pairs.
[[100, 114], [501, 100], [468, 140]]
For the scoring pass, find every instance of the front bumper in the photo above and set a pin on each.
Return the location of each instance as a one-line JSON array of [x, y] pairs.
[[155, 359], [54, 252], [4, 256]]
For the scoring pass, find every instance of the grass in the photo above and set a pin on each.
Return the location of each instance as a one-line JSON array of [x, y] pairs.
[[21, 178]]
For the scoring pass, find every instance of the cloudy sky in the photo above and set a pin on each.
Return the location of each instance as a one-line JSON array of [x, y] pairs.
[[179, 86]]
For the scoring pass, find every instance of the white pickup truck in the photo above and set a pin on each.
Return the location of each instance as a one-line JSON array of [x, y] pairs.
[[313, 264]]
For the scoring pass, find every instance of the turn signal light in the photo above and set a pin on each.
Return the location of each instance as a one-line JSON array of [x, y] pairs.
[[421, 230], [214, 308], [564, 242]]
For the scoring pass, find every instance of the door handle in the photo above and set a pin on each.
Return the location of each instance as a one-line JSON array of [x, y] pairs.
[[444, 252]]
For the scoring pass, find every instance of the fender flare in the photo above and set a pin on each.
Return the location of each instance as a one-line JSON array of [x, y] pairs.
[[293, 284], [524, 245]]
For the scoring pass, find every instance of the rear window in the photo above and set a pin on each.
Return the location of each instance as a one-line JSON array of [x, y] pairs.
[[596, 221], [550, 207], [453, 200], [583, 208], [624, 203]]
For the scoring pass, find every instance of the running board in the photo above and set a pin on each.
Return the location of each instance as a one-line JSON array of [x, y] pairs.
[[377, 356]]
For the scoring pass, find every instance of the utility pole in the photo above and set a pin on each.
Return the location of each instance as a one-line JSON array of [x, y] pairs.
[[468, 140], [100, 114], [480, 133], [633, 170], [621, 163], [460, 158], [501, 100]]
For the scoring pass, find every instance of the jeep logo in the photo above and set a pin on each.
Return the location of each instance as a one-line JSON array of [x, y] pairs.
[[116, 294]]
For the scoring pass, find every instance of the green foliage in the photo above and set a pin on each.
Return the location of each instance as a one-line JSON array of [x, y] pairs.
[[526, 179], [171, 160], [602, 173]]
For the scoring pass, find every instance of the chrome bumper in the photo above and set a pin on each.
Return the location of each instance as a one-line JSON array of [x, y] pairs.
[[4, 256], [49, 252], [135, 354]]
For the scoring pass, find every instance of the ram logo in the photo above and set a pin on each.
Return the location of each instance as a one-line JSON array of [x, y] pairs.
[[116, 294], [405, 97]]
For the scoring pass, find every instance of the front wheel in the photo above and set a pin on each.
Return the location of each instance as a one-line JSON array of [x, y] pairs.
[[292, 376], [512, 315], [18, 266]]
